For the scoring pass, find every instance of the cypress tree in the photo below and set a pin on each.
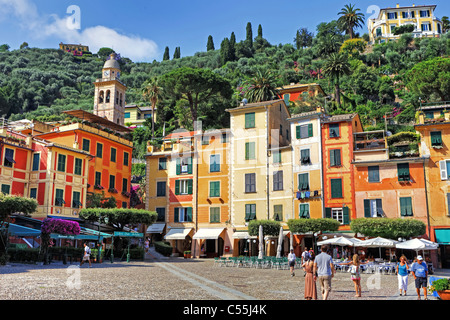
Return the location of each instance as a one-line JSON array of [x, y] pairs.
[[210, 44], [177, 53], [166, 55], [260, 31], [249, 38], [225, 52], [233, 46]]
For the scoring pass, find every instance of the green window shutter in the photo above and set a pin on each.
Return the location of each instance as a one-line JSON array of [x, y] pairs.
[[78, 166], [214, 189], [126, 156], [247, 212], [86, 145], [367, 208], [176, 217], [374, 173], [310, 130], [403, 171], [250, 120], [113, 154], [190, 165], [332, 159], [297, 132], [379, 207], [214, 214], [249, 150], [334, 130], [99, 153], [336, 188], [61, 163], [6, 188], [59, 197], [177, 187], [303, 183], [190, 182], [178, 166], [337, 157], [406, 207], [436, 138], [98, 178], [36, 160], [33, 193], [125, 185], [76, 199], [304, 211], [278, 212], [328, 213], [189, 214], [346, 215], [112, 182], [448, 203]]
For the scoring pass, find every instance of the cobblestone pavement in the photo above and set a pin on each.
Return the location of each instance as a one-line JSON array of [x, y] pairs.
[[177, 279]]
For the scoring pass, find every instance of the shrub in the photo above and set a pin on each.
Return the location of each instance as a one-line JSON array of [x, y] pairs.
[[388, 227], [270, 227], [164, 248], [312, 225]]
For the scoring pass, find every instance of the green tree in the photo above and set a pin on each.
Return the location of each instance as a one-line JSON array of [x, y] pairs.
[[350, 18], [270, 227], [445, 24], [177, 53], [388, 227], [196, 86], [166, 55], [119, 217], [249, 34], [152, 92], [335, 67], [303, 38], [4, 47], [210, 44], [104, 52], [262, 86], [225, 51]]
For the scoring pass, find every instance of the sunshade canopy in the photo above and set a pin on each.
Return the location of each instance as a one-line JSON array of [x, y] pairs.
[[378, 242], [417, 244], [208, 233], [341, 241], [178, 233]]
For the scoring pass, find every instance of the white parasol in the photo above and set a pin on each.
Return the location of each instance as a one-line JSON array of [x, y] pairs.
[[280, 243]]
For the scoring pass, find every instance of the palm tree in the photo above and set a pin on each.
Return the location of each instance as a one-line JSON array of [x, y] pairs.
[[151, 92], [262, 86], [336, 66], [350, 18]]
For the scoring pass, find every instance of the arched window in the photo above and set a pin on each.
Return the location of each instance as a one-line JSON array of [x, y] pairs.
[[120, 101], [108, 96], [117, 97], [101, 97]]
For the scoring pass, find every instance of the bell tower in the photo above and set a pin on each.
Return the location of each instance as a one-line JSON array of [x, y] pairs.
[[109, 98]]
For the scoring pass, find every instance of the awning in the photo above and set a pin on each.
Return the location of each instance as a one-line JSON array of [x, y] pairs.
[[208, 233], [21, 231], [178, 233], [156, 228], [442, 236], [243, 235]]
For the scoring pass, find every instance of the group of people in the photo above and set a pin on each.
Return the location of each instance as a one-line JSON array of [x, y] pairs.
[[321, 268]]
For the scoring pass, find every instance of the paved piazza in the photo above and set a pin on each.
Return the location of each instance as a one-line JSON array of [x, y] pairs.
[[177, 279]]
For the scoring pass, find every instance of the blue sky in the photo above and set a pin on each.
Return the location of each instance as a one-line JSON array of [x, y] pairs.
[[141, 29]]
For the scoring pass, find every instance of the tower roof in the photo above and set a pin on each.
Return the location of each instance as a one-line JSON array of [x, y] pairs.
[[112, 62]]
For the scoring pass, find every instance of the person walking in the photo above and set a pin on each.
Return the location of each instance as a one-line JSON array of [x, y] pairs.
[[310, 281], [419, 271], [402, 275], [323, 267], [306, 256], [355, 271], [87, 255], [291, 260], [146, 245]]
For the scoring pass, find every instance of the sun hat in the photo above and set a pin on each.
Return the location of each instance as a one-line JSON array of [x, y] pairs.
[[419, 258]]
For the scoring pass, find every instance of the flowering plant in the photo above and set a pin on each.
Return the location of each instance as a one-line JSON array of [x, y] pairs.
[[60, 226]]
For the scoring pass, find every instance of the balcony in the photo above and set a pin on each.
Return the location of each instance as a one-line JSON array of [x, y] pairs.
[[370, 145], [403, 145], [434, 113]]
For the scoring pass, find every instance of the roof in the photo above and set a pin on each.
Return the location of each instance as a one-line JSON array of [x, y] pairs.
[[299, 85], [305, 115], [84, 115], [410, 7], [340, 117], [112, 62], [181, 134], [255, 104]]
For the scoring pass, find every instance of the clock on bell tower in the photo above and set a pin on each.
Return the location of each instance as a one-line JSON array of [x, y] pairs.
[[109, 98]]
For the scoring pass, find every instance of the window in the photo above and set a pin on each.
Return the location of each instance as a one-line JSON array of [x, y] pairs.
[[278, 181], [183, 186], [276, 156], [99, 153], [6, 188], [436, 139], [78, 166], [126, 157], [160, 188], [124, 204], [374, 173], [424, 13], [379, 32], [76, 200], [113, 154], [429, 115], [214, 214], [61, 163], [334, 130], [303, 181], [59, 197], [403, 172], [33, 193], [86, 145], [406, 207], [214, 189], [205, 140], [406, 14], [448, 204], [281, 130], [162, 163], [250, 182], [304, 211], [426, 27], [249, 120], [161, 212], [393, 26], [9, 158], [305, 157], [286, 98], [214, 163], [392, 15], [112, 182], [304, 131], [184, 165], [335, 157], [36, 160], [336, 188], [278, 212], [250, 212], [249, 150], [340, 214], [98, 178], [373, 208], [224, 138], [127, 115], [183, 214], [124, 185]]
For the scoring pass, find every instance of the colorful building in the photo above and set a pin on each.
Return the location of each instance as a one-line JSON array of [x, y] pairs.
[[422, 18], [295, 91], [433, 125], [135, 116]]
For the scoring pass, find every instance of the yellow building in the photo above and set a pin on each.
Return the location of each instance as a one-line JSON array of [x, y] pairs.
[[135, 116], [260, 172], [426, 24]]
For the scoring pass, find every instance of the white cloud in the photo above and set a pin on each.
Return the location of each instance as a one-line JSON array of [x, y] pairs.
[[52, 26]]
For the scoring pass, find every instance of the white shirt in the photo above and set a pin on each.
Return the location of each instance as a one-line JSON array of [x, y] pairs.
[[291, 257]]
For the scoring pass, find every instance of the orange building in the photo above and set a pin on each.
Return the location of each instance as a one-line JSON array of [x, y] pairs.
[[338, 171], [294, 92]]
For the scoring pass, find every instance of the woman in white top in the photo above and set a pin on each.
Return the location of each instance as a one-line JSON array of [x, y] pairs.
[[291, 259]]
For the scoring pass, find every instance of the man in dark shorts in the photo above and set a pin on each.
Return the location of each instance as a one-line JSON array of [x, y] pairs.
[[420, 272]]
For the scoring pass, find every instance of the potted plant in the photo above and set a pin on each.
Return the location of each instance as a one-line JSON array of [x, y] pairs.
[[442, 287], [187, 254]]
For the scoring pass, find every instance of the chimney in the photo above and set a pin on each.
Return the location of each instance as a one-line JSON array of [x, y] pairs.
[[398, 5]]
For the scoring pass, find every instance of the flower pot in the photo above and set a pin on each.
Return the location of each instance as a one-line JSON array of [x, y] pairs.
[[444, 295]]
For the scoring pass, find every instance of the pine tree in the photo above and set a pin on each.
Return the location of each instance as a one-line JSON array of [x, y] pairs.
[[210, 44], [249, 38], [166, 55]]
